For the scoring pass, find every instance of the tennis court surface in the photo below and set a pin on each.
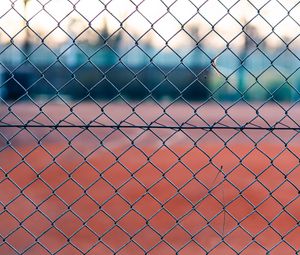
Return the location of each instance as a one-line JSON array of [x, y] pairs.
[[138, 188]]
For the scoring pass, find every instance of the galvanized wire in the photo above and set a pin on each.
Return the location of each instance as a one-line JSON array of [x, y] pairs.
[[125, 138]]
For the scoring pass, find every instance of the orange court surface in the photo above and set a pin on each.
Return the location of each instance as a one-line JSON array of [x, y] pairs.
[[130, 191]]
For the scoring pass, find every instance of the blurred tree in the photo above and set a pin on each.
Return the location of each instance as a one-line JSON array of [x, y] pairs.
[[18, 82], [109, 43], [251, 42], [252, 38], [26, 42], [195, 32], [197, 82], [148, 46]]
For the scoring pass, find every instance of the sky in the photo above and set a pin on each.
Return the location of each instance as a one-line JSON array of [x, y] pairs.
[[137, 16]]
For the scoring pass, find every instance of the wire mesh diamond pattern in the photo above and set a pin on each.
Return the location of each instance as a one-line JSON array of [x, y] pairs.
[[149, 127]]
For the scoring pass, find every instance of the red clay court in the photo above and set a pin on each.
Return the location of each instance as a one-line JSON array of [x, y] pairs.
[[158, 191]]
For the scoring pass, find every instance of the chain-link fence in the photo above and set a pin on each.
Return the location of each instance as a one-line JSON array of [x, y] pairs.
[[149, 127]]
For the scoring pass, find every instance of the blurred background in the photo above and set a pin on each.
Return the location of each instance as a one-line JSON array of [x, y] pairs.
[[190, 50]]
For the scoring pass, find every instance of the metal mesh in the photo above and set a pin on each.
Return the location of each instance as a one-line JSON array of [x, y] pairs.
[[149, 127]]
